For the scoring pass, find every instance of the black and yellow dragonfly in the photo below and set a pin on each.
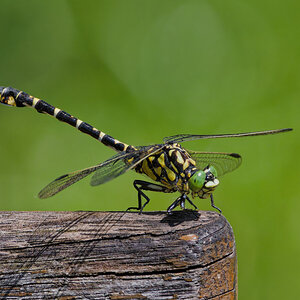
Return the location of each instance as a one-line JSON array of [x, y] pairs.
[[169, 164]]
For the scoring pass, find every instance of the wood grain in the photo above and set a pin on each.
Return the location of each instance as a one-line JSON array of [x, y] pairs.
[[117, 255]]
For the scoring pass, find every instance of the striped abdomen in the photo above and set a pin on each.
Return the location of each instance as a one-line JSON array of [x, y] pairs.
[[13, 97]]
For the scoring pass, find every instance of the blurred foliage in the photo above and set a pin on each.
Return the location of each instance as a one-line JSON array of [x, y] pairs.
[[142, 70]]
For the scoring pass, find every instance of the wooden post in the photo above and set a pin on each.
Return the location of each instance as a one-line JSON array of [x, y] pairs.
[[117, 255]]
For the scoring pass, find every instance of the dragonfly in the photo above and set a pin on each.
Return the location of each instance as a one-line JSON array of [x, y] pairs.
[[170, 167]]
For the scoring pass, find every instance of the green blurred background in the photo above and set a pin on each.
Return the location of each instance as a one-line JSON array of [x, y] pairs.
[[142, 70]]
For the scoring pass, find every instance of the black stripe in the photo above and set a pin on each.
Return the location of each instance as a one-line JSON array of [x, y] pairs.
[[67, 118], [108, 140], [24, 98], [150, 166], [44, 107], [119, 146], [87, 128]]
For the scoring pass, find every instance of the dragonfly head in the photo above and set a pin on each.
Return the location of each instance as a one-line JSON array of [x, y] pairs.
[[8, 96], [203, 182]]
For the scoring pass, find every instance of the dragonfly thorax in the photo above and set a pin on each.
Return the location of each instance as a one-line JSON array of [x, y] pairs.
[[203, 182], [172, 166]]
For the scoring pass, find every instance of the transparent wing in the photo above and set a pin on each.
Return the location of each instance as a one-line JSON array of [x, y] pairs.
[[190, 137], [111, 169], [223, 162], [121, 166], [64, 181]]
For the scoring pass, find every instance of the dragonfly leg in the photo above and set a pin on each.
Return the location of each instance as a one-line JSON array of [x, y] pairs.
[[182, 203], [175, 203], [213, 204], [190, 201], [180, 200], [147, 186]]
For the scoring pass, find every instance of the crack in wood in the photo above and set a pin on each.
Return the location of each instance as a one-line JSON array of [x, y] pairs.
[[133, 274], [221, 294]]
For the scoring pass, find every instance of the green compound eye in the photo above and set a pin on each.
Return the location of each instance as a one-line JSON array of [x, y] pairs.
[[213, 171], [197, 180]]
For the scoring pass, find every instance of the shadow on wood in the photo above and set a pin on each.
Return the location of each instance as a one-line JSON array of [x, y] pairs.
[[117, 255]]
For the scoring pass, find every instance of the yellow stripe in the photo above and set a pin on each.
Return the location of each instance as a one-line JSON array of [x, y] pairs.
[[101, 136], [179, 182], [18, 95], [185, 164], [56, 111], [171, 151], [130, 160], [173, 166], [147, 170], [192, 162], [35, 101], [170, 174], [161, 160], [151, 158], [158, 171], [179, 158], [78, 122]]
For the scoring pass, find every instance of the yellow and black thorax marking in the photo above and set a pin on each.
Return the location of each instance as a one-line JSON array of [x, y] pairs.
[[172, 166]]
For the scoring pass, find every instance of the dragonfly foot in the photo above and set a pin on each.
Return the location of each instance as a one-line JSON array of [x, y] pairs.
[[180, 201], [213, 204]]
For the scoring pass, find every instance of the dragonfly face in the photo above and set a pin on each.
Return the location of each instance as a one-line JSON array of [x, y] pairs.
[[203, 182]]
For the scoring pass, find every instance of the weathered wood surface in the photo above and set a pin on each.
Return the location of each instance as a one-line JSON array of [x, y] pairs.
[[116, 255]]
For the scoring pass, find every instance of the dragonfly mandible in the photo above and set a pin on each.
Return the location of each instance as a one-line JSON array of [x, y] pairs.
[[171, 167]]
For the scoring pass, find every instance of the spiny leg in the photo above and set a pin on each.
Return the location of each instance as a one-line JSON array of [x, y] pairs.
[[175, 203], [213, 204], [190, 201], [140, 207], [180, 200], [140, 185]]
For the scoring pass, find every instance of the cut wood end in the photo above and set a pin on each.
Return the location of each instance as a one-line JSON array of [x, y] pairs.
[[54, 254]]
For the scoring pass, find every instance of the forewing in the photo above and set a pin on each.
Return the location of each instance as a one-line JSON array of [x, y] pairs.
[[66, 180], [223, 162], [190, 137], [121, 166]]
